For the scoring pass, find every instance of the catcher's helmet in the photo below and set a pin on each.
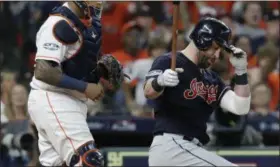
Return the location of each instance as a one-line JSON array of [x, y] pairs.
[[209, 30], [88, 8]]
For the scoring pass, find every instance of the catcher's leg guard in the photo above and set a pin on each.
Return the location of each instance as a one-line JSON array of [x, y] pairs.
[[88, 155]]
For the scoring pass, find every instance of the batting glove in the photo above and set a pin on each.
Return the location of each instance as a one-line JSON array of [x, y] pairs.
[[169, 78], [239, 60]]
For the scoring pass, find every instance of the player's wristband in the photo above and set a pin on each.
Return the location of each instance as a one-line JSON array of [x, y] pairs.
[[241, 79], [72, 83], [156, 86], [240, 71]]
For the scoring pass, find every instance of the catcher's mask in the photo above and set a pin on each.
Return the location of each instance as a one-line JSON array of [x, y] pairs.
[[90, 8]]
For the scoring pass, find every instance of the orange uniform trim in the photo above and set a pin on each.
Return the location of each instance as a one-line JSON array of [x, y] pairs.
[[59, 123]]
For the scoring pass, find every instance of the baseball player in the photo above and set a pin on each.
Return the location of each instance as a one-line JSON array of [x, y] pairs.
[[185, 98], [69, 71]]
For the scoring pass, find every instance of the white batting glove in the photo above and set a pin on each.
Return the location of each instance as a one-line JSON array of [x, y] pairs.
[[169, 78], [239, 60]]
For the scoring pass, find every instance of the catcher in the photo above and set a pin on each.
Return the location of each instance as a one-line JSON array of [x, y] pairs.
[[68, 71]]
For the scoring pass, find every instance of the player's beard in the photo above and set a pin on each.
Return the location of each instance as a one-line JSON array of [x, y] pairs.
[[203, 61]]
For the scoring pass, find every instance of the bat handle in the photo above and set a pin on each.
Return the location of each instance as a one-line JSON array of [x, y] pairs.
[[173, 61], [174, 33]]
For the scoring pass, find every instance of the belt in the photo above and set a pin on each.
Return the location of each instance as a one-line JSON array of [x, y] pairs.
[[187, 138]]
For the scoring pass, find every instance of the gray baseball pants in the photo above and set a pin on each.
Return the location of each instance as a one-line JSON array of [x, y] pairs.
[[173, 150]]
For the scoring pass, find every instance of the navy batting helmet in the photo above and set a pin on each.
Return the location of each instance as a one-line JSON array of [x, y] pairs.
[[209, 30]]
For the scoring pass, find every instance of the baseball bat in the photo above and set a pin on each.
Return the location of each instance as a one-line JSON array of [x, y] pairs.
[[174, 33]]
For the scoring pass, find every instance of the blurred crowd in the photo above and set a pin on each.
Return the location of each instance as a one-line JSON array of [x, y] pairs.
[[136, 33]]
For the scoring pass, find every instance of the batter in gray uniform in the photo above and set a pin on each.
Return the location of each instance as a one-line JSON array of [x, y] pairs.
[[185, 98]]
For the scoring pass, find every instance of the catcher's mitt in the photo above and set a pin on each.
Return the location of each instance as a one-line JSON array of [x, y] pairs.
[[111, 72]]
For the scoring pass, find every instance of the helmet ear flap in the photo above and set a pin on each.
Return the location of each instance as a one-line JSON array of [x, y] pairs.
[[202, 37]]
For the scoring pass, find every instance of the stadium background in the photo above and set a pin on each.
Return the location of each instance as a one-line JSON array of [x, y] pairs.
[[136, 33]]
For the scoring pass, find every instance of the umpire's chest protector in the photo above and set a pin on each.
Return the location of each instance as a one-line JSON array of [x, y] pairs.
[[83, 63]]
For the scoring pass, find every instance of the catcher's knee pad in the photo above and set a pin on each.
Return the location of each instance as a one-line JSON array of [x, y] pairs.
[[88, 155]]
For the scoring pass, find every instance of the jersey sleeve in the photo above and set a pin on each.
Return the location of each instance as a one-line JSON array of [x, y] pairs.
[[158, 67], [222, 89], [48, 47]]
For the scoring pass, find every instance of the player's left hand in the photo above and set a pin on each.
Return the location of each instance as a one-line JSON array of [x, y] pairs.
[[111, 72], [239, 60]]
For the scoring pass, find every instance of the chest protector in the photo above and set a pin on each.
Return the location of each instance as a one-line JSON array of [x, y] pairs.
[[83, 64]]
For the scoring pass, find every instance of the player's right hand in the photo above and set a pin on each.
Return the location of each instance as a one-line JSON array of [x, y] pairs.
[[169, 77], [94, 91]]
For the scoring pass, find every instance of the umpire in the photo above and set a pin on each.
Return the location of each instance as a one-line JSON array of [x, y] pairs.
[[185, 98]]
